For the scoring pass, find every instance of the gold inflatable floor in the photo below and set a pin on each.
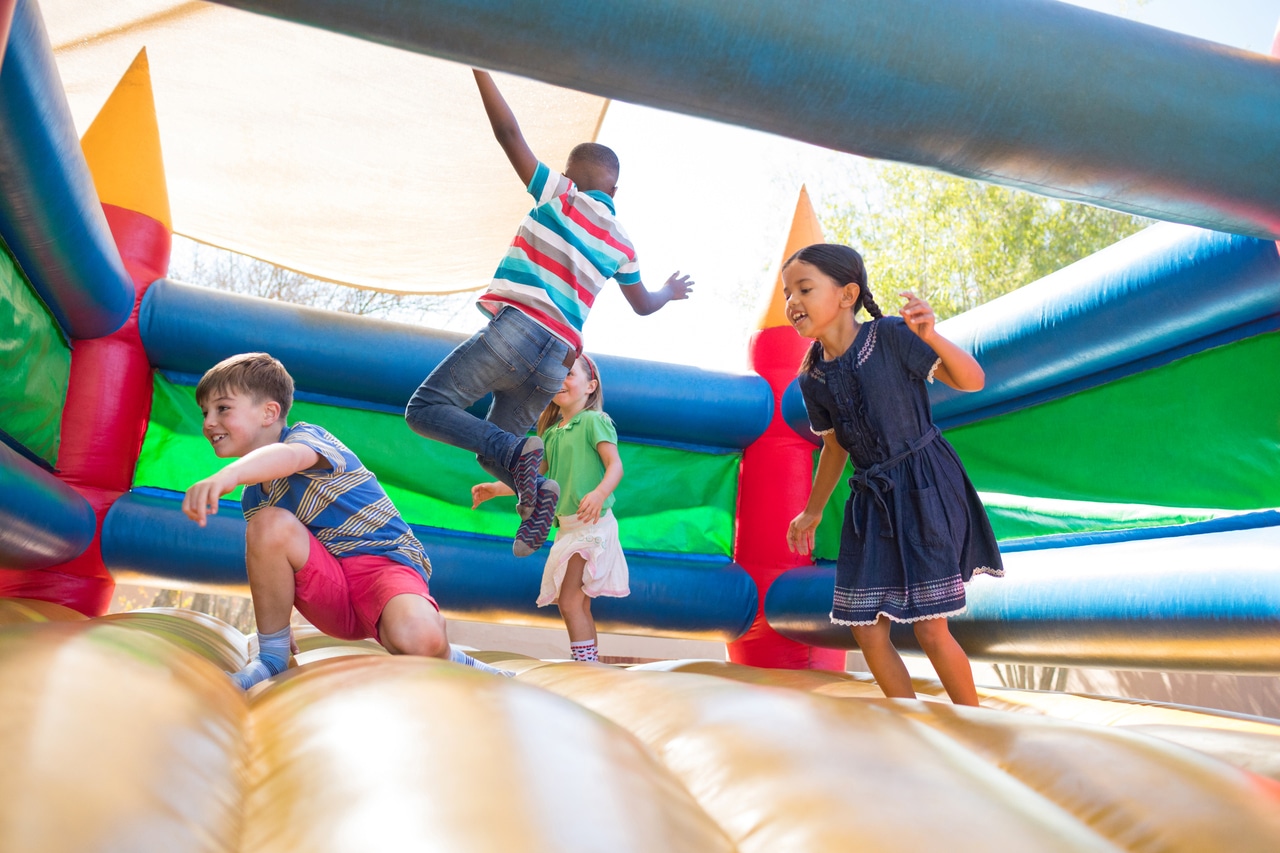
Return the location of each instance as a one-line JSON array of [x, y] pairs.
[[123, 734]]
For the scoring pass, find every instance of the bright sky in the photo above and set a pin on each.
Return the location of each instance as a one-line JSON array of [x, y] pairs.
[[715, 201]]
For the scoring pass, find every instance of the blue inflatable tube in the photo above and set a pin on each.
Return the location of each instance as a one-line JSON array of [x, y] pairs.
[[1207, 602], [50, 215], [473, 577], [1164, 293], [43, 521], [1034, 94], [188, 329]]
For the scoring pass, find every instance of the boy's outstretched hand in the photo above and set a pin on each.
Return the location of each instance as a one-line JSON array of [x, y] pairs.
[[678, 287], [201, 500]]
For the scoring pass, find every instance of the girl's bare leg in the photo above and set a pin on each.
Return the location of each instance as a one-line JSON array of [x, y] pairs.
[[948, 659], [575, 605], [883, 660]]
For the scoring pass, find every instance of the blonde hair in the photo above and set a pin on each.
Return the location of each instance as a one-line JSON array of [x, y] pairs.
[[595, 400], [257, 374]]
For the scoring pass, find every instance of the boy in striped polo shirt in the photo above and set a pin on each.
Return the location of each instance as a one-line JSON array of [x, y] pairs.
[[568, 246], [322, 535]]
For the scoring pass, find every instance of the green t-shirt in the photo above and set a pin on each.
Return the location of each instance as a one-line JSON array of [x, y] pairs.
[[572, 458]]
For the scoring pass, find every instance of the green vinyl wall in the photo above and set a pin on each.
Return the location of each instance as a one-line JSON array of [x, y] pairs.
[[669, 500], [1194, 439], [35, 365]]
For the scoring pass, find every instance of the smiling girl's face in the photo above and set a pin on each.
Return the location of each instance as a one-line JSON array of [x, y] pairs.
[[577, 387], [814, 299]]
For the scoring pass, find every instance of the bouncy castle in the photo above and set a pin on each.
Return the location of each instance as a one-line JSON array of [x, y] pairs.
[[1126, 445]]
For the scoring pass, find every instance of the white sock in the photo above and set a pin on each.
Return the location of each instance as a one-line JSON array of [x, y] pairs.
[[584, 650], [457, 655]]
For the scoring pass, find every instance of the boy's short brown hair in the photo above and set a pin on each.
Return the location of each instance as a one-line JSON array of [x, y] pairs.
[[257, 374]]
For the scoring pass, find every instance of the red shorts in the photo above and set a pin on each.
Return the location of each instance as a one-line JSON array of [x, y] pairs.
[[344, 597]]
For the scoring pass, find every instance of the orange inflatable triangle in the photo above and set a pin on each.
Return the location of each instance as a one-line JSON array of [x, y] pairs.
[[122, 147], [805, 231]]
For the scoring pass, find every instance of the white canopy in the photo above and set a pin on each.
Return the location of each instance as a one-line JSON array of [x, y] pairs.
[[329, 155]]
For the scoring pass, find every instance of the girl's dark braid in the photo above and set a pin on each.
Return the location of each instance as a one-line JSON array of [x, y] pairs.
[[869, 302]]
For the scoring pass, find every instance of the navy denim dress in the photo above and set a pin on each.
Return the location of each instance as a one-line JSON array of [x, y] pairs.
[[914, 529]]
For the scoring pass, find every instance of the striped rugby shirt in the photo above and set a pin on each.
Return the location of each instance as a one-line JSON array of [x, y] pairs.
[[568, 246], [343, 506]]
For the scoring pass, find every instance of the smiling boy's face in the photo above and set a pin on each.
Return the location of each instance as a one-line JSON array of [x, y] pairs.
[[235, 424]]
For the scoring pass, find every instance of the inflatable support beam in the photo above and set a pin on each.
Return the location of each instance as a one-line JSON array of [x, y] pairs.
[[473, 577], [1165, 293], [1203, 602], [1172, 127], [189, 329], [43, 521], [50, 215]]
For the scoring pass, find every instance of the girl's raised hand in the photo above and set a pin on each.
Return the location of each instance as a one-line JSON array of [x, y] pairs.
[[918, 314], [801, 531], [482, 492]]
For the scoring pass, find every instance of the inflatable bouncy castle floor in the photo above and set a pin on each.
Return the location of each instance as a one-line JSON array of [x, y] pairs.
[[126, 735], [1127, 446]]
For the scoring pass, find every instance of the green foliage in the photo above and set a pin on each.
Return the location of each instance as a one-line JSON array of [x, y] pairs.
[[959, 243]]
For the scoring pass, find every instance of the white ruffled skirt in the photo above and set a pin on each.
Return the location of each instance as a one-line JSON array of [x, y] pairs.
[[605, 572]]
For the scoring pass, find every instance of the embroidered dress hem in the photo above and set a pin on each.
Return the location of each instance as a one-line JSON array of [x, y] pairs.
[[605, 572], [923, 600], [899, 619], [987, 570]]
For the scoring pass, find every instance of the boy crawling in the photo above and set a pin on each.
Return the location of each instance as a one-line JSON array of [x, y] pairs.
[[322, 535]]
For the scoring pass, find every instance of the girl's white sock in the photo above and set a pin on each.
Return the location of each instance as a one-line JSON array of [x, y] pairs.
[[584, 650]]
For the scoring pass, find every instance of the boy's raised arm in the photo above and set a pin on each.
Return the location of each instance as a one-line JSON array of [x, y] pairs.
[[260, 466], [644, 301], [505, 127]]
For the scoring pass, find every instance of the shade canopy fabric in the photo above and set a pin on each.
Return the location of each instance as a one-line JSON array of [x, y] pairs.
[[329, 155]]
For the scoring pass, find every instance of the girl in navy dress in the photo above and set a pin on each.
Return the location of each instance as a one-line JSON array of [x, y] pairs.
[[914, 530]]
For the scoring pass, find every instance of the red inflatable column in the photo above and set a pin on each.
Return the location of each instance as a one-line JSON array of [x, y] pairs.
[[109, 393], [777, 470], [6, 19]]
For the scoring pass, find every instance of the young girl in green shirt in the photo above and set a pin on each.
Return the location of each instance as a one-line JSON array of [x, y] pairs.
[[581, 455]]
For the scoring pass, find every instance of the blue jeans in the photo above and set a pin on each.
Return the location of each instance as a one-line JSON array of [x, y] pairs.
[[513, 357]]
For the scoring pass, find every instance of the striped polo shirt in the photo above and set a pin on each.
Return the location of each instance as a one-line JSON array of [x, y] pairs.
[[343, 505], [568, 246]]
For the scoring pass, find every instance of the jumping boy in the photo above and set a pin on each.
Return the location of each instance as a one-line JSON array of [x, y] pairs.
[[568, 246], [322, 535]]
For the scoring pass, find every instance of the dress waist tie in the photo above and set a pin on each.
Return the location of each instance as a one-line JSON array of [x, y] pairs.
[[875, 480]]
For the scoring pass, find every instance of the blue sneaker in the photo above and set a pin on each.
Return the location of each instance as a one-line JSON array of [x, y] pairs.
[[524, 471], [534, 529]]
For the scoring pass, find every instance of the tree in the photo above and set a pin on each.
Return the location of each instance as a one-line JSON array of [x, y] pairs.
[[959, 243], [212, 267]]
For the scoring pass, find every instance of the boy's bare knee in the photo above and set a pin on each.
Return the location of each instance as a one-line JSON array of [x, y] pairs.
[[273, 532], [273, 526], [410, 626], [416, 638]]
